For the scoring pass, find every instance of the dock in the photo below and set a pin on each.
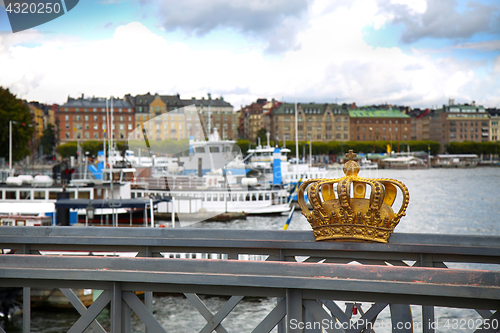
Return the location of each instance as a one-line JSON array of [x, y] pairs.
[[221, 217]]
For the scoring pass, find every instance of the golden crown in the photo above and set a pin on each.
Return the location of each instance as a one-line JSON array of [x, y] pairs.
[[337, 215]]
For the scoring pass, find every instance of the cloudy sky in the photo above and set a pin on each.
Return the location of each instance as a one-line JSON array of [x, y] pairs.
[[406, 52]]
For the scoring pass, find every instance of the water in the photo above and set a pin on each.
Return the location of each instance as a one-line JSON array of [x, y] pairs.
[[446, 201]]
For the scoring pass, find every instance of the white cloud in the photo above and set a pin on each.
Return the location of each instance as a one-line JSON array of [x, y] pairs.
[[332, 62]]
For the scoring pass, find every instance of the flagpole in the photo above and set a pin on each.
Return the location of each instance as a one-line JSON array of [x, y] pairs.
[[296, 132]]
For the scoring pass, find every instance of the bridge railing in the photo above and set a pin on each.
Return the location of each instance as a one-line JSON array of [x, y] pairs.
[[305, 276]]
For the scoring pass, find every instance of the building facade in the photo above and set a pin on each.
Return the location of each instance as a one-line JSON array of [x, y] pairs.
[[494, 124], [209, 114], [86, 119], [253, 119], [170, 117], [459, 123], [315, 122], [373, 125]]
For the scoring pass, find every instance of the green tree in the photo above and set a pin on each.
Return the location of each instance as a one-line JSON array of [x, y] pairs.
[[48, 140], [14, 109]]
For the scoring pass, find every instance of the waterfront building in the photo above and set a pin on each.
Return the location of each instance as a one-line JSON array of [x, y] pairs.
[[84, 119], [253, 119], [222, 117], [420, 122], [373, 125], [459, 123], [36, 110], [494, 124], [152, 114], [315, 122]]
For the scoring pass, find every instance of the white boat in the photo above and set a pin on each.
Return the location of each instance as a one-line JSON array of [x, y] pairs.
[[262, 159], [213, 153], [28, 200], [456, 161], [20, 214], [403, 162]]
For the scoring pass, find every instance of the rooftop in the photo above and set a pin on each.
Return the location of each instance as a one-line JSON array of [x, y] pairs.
[[377, 114]]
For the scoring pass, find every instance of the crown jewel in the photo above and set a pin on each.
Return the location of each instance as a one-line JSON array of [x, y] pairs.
[[338, 215]]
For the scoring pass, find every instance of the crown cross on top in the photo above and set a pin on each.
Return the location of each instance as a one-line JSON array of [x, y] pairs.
[[351, 155]]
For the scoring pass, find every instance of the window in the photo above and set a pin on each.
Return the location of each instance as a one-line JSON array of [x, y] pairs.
[[67, 126], [86, 126], [77, 118], [66, 118], [129, 126], [95, 135], [120, 110], [95, 118], [95, 126], [67, 135], [123, 126]]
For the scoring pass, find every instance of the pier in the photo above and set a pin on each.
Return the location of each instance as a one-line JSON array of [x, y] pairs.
[[304, 276]]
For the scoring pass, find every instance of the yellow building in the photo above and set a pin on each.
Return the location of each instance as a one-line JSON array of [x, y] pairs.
[[37, 120]]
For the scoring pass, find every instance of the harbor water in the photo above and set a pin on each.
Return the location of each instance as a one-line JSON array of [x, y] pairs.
[[443, 201]]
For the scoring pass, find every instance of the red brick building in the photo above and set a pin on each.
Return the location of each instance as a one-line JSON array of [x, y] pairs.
[[85, 119]]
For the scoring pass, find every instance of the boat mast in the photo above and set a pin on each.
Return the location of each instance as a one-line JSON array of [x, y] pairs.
[[104, 138], [296, 132]]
